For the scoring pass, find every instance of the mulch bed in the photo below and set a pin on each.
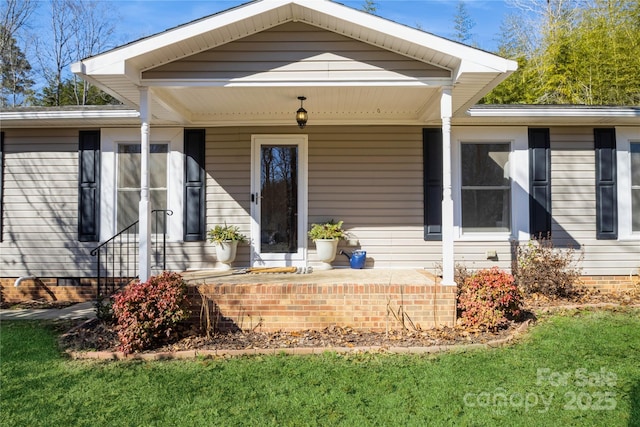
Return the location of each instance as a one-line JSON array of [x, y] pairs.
[[39, 303], [96, 335], [583, 297]]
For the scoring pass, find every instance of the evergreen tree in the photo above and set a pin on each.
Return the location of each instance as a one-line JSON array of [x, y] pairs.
[[609, 36], [370, 6], [517, 88], [69, 91], [463, 24], [573, 53], [15, 71]]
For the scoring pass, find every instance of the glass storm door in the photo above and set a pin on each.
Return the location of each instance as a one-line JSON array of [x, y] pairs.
[[278, 200]]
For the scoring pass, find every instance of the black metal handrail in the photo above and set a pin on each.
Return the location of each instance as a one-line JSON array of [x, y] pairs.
[[118, 257]]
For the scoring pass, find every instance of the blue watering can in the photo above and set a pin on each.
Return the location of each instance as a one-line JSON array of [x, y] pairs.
[[356, 258]]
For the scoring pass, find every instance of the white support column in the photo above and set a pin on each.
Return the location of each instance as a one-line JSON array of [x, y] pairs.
[[145, 203], [447, 200]]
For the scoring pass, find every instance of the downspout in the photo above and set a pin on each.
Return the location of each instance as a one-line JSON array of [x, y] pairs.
[[22, 279]]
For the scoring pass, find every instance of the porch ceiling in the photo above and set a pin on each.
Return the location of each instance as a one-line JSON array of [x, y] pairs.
[[120, 72], [277, 105]]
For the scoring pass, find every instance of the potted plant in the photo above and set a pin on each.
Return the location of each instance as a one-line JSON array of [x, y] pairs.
[[326, 237], [225, 239]]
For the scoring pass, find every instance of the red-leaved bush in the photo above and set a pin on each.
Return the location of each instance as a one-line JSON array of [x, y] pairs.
[[489, 299], [147, 313]]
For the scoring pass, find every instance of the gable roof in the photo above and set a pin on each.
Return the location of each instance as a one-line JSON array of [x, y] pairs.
[[471, 72]]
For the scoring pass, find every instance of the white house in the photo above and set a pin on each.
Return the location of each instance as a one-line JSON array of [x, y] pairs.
[[394, 146]]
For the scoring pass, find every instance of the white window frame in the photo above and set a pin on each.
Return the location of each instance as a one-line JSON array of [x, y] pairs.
[[110, 139], [625, 135], [517, 138], [119, 189]]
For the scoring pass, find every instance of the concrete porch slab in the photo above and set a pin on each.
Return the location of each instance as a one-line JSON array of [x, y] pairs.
[[317, 277]]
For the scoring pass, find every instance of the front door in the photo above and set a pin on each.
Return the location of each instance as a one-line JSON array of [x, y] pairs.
[[279, 200]]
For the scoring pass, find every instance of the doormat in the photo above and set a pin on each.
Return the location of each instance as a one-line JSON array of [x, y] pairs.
[[276, 270]]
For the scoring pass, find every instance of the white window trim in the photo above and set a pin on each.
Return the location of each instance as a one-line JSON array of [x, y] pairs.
[[624, 137], [110, 138], [517, 137]]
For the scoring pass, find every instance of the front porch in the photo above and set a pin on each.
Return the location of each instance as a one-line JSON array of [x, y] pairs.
[[224, 92], [369, 299]]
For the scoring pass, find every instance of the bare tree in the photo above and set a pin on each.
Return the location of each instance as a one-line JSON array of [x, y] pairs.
[[545, 15], [463, 23], [78, 29], [14, 14], [15, 70], [54, 52], [95, 33]]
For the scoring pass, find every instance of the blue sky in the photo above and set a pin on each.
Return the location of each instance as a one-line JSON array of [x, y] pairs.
[[139, 18]]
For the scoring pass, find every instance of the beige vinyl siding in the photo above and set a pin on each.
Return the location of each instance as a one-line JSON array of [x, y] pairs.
[[228, 184], [41, 205], [573, 198], [573, 192], [369, 177], [294, 52], [473, 254]]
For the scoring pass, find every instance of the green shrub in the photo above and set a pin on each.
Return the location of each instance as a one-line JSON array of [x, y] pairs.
[[147, 313], [225, 233], [489, 299], [543, 269], [327, 230]]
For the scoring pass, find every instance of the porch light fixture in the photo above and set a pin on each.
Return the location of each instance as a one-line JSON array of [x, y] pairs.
[[301, 114]]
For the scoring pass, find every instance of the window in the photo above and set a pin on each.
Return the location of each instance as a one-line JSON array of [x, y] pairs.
[[120, 178], [1, 175], [485, 187], [128, 197], [628, 180], [634, 151]]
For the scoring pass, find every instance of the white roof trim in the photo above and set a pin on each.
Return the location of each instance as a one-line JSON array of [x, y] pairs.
[[119, 71], [554, 111], [471, 59], [168, 83], [486, 61], [68, 114], [478, 111]]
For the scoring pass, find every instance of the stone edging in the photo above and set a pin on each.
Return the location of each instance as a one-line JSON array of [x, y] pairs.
[[226, 353]]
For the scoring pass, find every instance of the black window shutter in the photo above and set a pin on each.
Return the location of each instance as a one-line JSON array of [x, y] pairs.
[[1, 180], [539, 183], [89, 186], [194, 185], [606, 191], [432, 177]]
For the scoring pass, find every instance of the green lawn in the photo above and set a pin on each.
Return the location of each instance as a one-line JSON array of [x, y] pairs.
[[577, 369]]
